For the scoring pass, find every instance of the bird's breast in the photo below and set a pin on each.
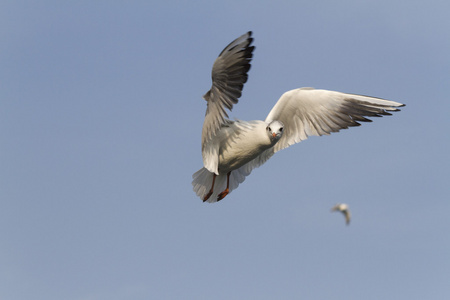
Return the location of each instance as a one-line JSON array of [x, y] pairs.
[[242, 144]]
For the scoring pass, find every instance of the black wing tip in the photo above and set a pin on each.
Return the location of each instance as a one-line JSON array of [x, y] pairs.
[[238, 41], [250, 40], [248, 37]]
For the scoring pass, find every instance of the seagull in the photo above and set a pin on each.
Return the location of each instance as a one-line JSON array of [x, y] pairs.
[[231, 149], [342, 207]]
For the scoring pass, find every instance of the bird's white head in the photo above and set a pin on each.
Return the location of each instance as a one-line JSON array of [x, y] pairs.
[[275, 131]]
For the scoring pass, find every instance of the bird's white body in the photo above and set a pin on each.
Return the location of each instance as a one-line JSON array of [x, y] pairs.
[[232, 149], [240, 143]]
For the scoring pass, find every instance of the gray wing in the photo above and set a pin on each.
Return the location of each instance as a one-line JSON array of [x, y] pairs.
[[306, 112], [229, 73]]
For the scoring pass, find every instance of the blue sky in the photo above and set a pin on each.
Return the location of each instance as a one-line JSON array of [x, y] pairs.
[[101, 116]]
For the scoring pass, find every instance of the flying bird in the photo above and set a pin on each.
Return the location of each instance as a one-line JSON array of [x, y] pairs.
[[343, 208], [231, 149]]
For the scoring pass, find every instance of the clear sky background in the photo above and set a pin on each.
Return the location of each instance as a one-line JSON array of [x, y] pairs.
[[101, 116]]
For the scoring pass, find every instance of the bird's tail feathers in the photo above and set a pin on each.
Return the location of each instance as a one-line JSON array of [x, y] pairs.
[[202, 181]]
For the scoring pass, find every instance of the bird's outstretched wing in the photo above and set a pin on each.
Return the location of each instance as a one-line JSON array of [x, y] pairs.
[[229, 73], [307, 111]]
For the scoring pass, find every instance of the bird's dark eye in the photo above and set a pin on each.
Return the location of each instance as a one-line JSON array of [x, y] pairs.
[[281, 129], [268, 128]]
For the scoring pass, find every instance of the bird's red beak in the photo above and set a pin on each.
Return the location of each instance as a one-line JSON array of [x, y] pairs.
[[274, 134]]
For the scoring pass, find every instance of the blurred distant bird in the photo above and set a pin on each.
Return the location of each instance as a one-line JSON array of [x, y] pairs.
[[342, 207], [232, 149]]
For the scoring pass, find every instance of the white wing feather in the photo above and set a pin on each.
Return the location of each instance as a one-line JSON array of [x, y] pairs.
[[306, 112]]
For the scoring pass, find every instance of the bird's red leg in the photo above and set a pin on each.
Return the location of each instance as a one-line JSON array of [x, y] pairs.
[[211, 190], [227, 190]]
